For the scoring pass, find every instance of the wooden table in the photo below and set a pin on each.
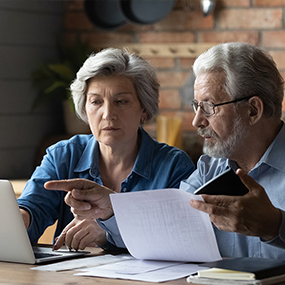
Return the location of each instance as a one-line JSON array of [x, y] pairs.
[[15, 273]]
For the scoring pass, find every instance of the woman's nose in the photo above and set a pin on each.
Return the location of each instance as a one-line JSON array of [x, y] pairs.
[[109, 112]]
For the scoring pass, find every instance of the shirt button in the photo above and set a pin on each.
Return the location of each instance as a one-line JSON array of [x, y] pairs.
[[124, 190]]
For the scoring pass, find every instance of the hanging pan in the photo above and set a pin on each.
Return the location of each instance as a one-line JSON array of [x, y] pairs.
[[105, 14], [146, 12]]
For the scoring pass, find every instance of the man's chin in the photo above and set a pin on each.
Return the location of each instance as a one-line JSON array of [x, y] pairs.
[[214, 151]]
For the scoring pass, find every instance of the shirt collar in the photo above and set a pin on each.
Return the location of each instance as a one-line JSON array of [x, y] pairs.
[[144, 158], [89, 158], [274, 155], [142, 166]]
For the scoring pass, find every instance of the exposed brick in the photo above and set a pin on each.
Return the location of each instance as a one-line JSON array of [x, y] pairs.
[[279, 58], [250, 18], [77, 21], [249, 21], [186, 63], [171, 79], [196, 21], [232, 3], [132, 28], [229, 36], [268, 3], [107, 38], [169, 99], [186, 37], [274, 39], [185, 20], [161, 62]]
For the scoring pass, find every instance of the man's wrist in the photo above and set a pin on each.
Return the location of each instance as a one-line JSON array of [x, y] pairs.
[[273, 231]]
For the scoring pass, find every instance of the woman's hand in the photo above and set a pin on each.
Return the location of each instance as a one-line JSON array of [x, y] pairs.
[[79, 234], [26, 217], [87, 199]]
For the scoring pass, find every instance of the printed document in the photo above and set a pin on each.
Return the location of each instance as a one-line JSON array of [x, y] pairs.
[[161, 225]]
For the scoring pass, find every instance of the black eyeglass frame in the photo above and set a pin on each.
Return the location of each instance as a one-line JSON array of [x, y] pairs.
[[195, 106]]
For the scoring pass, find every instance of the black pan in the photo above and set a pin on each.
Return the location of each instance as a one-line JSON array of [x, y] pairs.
[[105, 14], [146, 12]]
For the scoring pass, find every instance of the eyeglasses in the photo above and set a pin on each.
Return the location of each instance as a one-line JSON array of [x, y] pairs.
[[208, 109]]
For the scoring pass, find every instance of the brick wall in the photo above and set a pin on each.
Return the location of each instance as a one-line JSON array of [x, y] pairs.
[[259, 22]]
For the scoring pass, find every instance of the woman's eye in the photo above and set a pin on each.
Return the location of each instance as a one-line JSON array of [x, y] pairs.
[[95, 102], [122, 101]]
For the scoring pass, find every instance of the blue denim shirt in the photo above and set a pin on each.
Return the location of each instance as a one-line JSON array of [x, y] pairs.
[[157, 166], [269, 172]]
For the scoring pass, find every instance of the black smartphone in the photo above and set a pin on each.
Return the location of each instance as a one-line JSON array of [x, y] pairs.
[[226, 183]]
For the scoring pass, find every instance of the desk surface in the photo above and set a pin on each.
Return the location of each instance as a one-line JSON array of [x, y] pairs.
[[16, 273]]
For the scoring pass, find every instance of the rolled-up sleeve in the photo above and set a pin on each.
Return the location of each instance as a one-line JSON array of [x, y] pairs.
[[112, 230]]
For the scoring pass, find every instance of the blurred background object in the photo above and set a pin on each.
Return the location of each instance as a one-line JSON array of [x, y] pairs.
[[208, 7], [169, 130]]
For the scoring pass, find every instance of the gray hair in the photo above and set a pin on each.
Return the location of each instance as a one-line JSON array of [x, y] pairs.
[[114, 61], [248, 70]]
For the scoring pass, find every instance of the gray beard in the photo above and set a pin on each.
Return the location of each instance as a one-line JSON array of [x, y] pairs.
[[220, 149]]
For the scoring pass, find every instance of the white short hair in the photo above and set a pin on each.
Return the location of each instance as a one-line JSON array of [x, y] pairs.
[[113, 61]]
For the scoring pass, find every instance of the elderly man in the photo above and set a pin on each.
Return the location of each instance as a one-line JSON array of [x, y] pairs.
[[238, 104]]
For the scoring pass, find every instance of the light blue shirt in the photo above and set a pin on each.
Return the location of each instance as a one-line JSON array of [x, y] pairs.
[[269, 172], [157, 166]]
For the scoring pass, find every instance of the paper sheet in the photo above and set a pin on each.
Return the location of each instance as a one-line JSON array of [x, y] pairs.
[[150, 271], [161, 225], [83, 262]]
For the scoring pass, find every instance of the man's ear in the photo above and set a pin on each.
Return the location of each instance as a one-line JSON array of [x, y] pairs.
[[256, 109]]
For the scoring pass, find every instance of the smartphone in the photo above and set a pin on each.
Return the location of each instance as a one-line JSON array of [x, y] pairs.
[[226, 183]]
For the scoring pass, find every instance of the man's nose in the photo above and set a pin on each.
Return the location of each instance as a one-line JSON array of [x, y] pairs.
[[200, 120]]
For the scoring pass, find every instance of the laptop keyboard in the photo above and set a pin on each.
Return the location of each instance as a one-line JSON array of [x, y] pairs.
[[44, 254]]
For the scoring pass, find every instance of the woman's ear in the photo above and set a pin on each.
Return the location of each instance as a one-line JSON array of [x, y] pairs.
[[144, 116], [256, 109]]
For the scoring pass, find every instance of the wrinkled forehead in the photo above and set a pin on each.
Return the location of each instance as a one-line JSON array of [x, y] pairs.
[[209, 86]]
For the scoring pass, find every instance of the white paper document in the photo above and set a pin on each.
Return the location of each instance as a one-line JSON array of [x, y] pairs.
[[150, 271], [161, 225], [83, 262]]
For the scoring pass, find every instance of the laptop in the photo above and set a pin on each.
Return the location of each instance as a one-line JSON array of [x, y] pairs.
[[15, 244]]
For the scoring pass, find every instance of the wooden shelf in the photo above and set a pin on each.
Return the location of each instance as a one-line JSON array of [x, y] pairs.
[[166, 50]]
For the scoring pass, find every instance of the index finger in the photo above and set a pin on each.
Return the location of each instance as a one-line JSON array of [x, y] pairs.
[[218, 200], [68, 185], [248, 181]]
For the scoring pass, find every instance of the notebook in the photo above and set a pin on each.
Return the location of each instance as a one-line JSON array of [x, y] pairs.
[[15, 245]]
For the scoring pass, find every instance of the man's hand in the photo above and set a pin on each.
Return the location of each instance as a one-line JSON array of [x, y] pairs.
[[87, 199], [252, 214], [80, 234]]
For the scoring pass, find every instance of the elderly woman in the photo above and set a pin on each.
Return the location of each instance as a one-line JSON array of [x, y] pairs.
[[115, 92]]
